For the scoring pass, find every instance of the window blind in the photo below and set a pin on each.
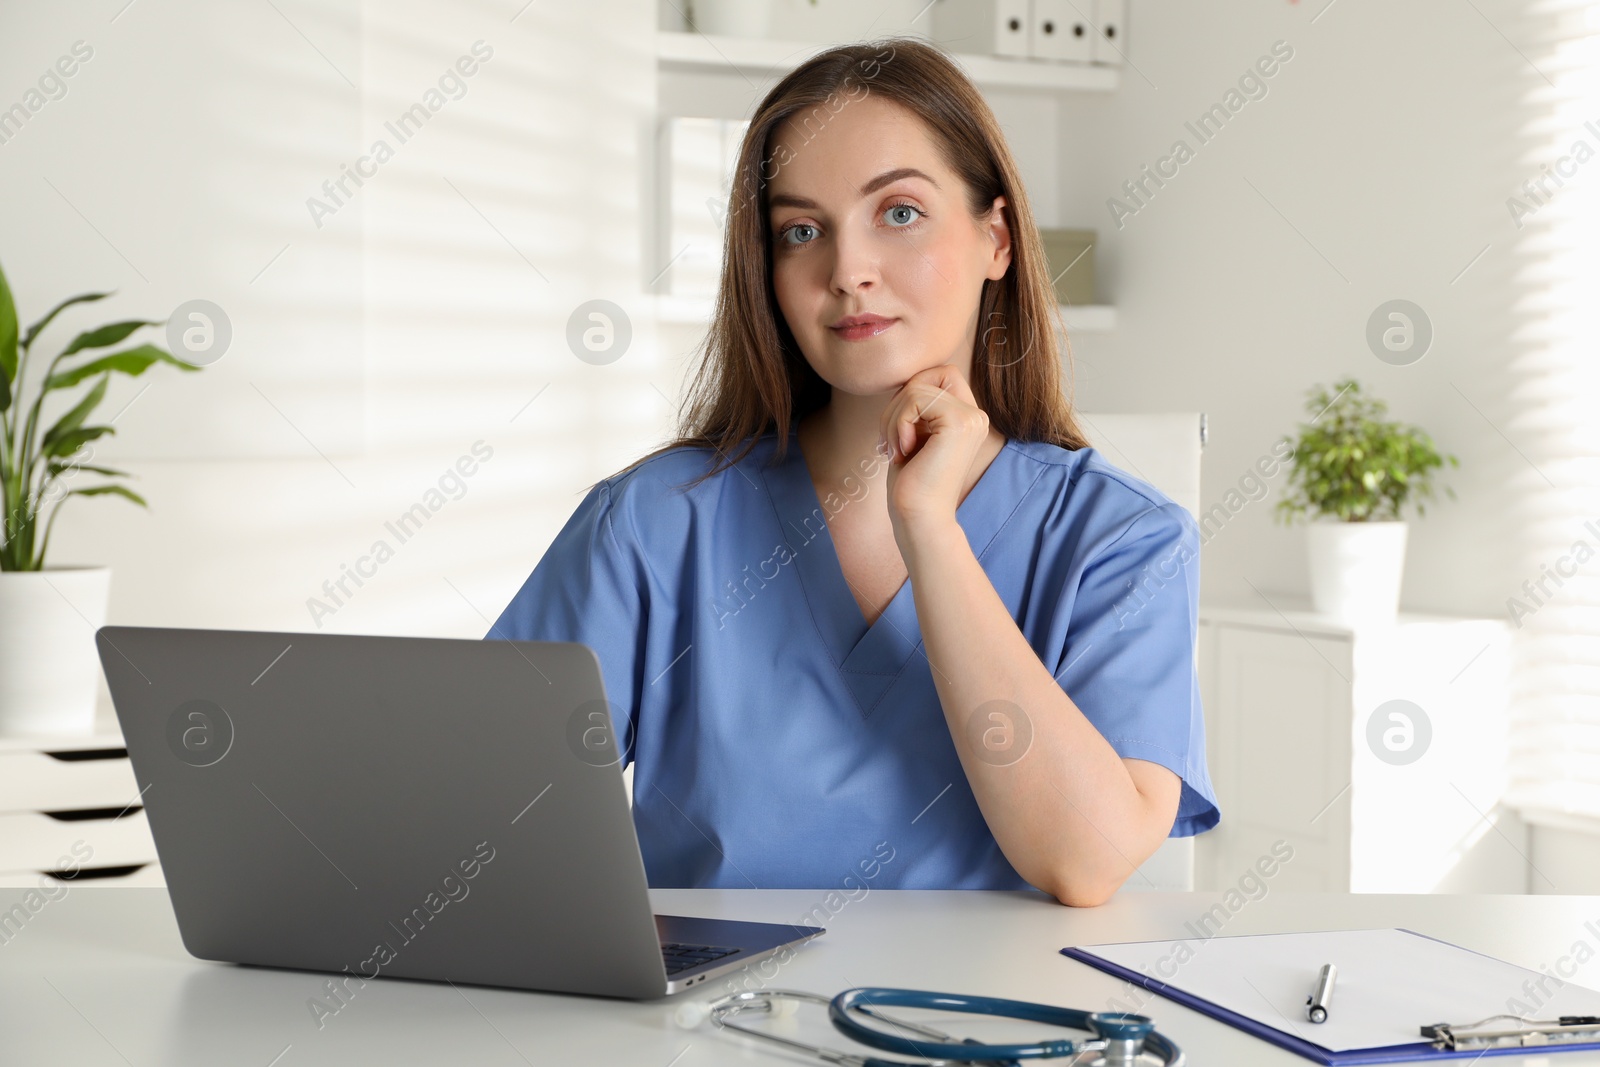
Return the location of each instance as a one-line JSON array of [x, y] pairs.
[[1555, 756]]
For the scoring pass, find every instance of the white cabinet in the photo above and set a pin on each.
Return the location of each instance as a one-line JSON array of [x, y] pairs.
[[1278, 744], [1378, 754], [70, 810]]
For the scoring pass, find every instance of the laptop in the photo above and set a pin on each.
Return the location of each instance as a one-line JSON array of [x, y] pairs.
[[402, 806]]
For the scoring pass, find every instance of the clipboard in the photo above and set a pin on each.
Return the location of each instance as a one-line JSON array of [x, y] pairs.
[[1391, 983]]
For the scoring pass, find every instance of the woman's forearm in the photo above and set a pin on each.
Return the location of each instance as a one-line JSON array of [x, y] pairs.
[[1074, 818]]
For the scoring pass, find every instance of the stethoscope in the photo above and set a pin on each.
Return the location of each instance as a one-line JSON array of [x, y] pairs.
[[1121, 1039]]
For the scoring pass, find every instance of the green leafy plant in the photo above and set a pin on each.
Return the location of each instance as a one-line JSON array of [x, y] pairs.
[[33, 465], [1352, 464]]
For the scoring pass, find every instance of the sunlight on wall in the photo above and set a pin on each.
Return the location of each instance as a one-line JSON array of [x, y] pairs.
[[1556, 753], [412, 324]]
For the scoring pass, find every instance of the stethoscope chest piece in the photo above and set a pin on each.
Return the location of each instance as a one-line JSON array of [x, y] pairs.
[[1125, 1035]]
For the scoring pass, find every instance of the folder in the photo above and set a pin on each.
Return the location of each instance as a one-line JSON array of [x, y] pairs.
[[1390, 984], [1062, 30], [984, 27], [1109, 41]]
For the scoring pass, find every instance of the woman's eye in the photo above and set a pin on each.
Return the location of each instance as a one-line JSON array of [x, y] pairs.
[[916, 211], [783, 236], [901, 216]]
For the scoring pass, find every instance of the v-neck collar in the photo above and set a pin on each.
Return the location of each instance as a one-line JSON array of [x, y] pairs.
[[870, 658]]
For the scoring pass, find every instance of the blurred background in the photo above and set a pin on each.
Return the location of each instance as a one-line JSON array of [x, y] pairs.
[[1435, 153]]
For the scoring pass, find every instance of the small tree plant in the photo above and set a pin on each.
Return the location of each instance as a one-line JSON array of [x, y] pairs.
[[1352, 464], [34, 464]]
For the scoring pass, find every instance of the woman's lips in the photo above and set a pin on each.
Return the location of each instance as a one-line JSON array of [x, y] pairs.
[[862, 332]]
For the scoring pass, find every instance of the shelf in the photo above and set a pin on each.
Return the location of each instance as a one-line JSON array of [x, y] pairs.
[[1296, 613], [698, 52], [1090, 318], [102, 737], [696, 311]]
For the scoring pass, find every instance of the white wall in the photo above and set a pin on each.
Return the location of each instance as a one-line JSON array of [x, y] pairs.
[[463, 257], [1387, 142]]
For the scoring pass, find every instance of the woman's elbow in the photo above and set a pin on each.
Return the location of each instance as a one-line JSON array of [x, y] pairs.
[[1079, 891]]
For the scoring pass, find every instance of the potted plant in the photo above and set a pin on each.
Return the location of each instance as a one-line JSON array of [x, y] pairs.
[[48, 670], [1352, 473]]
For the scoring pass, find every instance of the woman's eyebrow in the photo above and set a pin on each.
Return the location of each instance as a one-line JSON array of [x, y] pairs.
[[888, 176]]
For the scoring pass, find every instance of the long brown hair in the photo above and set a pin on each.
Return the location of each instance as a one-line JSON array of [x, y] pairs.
[[753, 378]]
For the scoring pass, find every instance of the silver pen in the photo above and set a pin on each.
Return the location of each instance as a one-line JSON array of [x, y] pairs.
[[1317, 1003]]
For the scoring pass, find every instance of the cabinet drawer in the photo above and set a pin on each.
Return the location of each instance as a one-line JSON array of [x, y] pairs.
[[30, 841], [32, 781], [148, 874]]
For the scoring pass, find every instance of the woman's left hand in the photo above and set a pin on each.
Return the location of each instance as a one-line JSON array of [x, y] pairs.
[[934, 430]]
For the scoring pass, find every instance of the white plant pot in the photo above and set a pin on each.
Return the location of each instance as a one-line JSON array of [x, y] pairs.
[[1356, 569], [732, 18], [49, 669]]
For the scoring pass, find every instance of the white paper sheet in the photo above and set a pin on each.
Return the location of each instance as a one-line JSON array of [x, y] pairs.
[[1389, 982]]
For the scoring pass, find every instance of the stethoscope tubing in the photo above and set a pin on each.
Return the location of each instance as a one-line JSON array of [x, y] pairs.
[[722, 1009], [857, 999], [938, 1048]]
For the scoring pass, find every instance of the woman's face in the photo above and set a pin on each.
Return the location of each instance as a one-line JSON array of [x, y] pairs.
[[868, 221]]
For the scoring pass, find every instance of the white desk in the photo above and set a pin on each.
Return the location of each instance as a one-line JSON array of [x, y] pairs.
[[100, 977]]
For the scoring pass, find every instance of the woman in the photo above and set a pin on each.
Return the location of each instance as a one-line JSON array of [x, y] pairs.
[[880, 613]]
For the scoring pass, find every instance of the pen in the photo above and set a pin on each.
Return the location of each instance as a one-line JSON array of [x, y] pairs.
[[1317, 1003]]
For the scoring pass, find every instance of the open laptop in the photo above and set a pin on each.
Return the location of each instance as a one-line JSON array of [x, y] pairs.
[[399, 806]]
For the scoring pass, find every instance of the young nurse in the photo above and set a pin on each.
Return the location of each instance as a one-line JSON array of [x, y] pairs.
[[880, 612]]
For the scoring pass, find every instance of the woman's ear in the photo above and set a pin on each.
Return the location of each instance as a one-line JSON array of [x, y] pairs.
[[1000, 237]]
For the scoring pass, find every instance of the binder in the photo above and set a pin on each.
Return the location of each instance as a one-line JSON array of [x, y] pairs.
[[1062, 30], [1110, 40], [1390, 984], [984, 27]]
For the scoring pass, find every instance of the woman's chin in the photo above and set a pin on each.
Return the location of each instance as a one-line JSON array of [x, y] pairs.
[[865, 385], [867, 373]]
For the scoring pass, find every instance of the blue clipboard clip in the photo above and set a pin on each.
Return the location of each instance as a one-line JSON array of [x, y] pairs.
[[1528, 1033]]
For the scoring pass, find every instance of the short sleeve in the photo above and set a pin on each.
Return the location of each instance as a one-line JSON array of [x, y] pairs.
[[588, 588], [1129, 663]]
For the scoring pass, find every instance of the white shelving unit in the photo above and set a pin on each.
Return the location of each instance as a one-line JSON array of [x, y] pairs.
[[71, 805], [698, 52]]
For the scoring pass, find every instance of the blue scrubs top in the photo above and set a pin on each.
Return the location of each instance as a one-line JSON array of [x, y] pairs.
[[780, 742]]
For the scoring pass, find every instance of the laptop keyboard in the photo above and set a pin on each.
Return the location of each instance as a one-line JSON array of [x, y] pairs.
[[680, 957]]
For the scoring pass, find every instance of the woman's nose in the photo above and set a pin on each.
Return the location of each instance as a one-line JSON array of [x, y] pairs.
[[855, 262]]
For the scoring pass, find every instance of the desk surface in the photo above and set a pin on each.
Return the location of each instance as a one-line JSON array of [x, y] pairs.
[[99, 976]]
